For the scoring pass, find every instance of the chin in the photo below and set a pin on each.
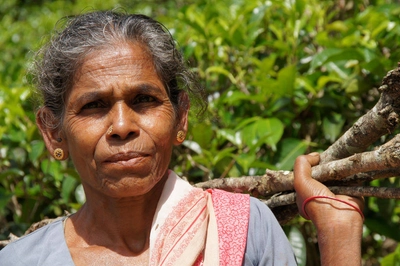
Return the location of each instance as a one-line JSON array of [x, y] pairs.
[[127, 187]]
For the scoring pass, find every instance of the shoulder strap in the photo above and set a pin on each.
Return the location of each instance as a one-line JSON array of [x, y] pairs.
[[232, 211]]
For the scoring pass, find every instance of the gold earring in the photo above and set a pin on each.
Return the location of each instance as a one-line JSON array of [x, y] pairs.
[[180, 136], [58, 154]]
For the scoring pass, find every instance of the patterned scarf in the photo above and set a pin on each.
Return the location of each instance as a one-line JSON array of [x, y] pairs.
[[196, 227]]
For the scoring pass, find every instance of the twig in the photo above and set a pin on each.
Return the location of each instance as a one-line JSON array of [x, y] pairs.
[[378, 192]]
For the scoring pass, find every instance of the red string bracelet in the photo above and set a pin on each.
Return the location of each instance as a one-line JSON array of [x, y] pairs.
[[332, 198]]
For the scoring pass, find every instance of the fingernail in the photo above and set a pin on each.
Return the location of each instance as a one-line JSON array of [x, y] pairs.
[[314, 154]]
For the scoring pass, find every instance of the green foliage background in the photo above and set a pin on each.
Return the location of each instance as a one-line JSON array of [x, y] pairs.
[[284, 78]]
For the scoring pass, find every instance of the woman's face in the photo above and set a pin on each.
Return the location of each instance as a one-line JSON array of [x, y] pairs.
[[118, 87]]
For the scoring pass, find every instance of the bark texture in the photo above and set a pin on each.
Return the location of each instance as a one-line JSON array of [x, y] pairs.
[[379, 121], [378, 162]]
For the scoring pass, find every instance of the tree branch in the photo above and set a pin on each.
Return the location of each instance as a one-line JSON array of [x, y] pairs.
[[379, 121], [385, 158], [378, 192]]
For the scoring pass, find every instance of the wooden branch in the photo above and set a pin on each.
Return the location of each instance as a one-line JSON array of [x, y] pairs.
[[385, 158], [379, 121], [378, 192], [369, 176]]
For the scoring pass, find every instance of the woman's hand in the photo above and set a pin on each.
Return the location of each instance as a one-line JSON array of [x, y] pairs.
[[338, 218]]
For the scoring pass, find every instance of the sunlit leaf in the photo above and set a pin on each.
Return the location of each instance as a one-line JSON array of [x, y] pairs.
[[194, 146], [335, 54], [231, 135], [37, 149], [392, 259], [68, 186], [298, 244], [222, 71], [286, 79], [80, 194]]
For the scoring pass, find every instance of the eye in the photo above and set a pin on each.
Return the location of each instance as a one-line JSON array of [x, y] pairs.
[[93, 105], [144, 99]]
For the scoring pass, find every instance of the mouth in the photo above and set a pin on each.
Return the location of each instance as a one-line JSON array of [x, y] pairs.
[[125, 157]]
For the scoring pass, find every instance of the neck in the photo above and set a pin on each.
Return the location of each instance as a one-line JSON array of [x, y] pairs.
[[123, 223]]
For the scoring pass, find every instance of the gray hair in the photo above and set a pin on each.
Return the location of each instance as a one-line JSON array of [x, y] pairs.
[[58, 61]]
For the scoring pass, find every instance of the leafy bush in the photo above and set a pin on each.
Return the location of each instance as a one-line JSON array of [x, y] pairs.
[[283, 77]]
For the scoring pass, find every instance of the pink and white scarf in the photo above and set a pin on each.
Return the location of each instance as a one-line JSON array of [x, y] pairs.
[[196, 227]]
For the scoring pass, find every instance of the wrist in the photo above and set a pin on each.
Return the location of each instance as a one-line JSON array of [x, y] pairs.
[[338, 224], [340, 245], [339, 230], [326, 211]]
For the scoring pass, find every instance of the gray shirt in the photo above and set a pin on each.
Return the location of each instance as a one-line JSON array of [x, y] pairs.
[[266, 243]]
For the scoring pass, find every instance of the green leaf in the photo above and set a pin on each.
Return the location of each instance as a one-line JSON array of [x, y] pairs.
[[271, 129], [52, 168], [381, 226], [194, 146], [289, 150], [222, 71], [286, 79], [265, 65], [231, 135], [202, 134], [352, 86], [245, 160], [392, 259], [337, 25], [262, 131], [80, 194], [37, 150], [227, 152], [335, 54], [247, 121], [5, 197], [68, 186], [11, 172], [332, 126], [324, 80], [298, 244], [236, 98]]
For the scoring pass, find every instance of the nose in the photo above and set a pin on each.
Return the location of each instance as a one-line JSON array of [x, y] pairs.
[[123, 122]]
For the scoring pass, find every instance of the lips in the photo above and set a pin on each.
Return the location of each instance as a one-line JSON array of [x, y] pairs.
[[125, 157]]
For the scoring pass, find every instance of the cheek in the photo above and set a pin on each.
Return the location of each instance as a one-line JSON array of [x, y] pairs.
[[83, 134], [162, 128]]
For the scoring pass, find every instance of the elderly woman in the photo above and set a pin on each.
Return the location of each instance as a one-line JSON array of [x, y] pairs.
[[115, 101]]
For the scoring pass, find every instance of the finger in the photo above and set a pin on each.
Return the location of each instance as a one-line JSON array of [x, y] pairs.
[[304, 163], [304, 184], [302, 169]]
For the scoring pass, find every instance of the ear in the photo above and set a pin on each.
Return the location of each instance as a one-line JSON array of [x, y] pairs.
[[50, 130], [182, 116]]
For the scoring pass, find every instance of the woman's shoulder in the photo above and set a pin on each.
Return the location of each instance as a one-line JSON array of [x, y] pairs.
[[37, 248], [267, 244], [259, 211]]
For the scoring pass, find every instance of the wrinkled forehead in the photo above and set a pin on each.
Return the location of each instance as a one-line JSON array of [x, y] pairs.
[[106, 56], [119, 61]]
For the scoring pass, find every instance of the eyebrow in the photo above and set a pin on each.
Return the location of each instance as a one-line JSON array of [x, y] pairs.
[[147, 88], [90, 96], [141, 88]]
